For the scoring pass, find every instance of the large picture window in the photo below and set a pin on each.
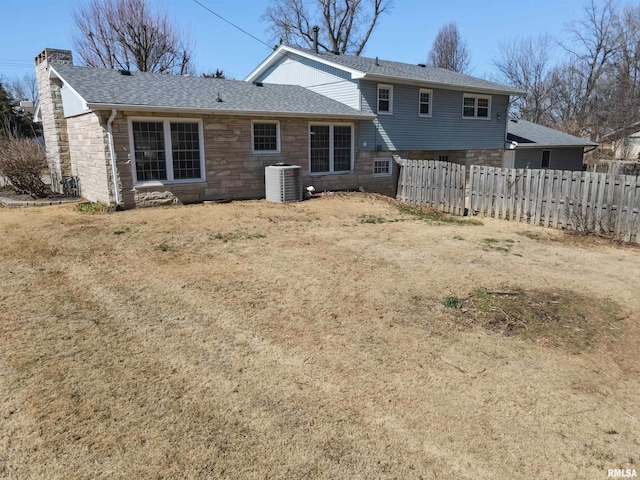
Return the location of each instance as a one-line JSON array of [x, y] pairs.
[[167, 150], [330, 148]]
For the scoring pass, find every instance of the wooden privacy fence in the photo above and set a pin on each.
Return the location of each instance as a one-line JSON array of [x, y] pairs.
[[584, 201], [440, 185]]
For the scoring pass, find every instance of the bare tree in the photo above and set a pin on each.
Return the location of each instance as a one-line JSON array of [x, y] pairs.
[[345, 25], [595, 42], [24, 88], [449, 50], [526, 64], [126, 34]]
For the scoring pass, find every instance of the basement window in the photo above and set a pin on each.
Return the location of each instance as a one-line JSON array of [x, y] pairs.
[[382, 167], [167, 151]]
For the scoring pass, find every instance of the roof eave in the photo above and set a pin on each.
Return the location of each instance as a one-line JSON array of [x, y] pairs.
[[210, 111], [546, 145], [54, 74], [444, 86], [284, 49]]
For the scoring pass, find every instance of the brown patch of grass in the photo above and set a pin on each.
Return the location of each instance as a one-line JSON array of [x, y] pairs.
[[558, 318], [306, 345]]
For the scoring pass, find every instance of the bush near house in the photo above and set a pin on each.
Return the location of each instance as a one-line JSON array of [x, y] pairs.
[[22, 162]]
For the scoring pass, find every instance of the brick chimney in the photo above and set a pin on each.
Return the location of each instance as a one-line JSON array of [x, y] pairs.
[[54, 124]]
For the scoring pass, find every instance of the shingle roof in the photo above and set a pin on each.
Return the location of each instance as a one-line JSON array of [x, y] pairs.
[[533, 135], [373, 67], [100, 86]]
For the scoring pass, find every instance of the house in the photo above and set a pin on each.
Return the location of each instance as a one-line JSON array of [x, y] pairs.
[[192, 138], [419, 111], [135, 138], [535, 146]]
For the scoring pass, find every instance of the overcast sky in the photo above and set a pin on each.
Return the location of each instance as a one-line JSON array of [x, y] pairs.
[[405, 34]]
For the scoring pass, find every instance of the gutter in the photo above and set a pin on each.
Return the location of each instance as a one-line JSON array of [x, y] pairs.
[[244, 113], [112, 154], [444, 86]]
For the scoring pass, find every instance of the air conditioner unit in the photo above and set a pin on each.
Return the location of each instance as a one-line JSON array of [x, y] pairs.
[[282, 183]]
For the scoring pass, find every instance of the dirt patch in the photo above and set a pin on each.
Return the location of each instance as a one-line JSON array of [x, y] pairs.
[[556, 318]]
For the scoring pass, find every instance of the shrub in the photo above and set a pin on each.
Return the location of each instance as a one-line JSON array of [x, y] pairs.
[[22, 162]]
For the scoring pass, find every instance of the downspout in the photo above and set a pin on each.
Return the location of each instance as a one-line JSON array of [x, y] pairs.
[[112, 154]]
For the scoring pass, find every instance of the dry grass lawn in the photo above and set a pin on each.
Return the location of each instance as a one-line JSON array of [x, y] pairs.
[[253, 340]]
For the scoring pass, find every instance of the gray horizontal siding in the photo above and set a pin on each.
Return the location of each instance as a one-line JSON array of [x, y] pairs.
[[444, 130], [565, 158], [325, 80]]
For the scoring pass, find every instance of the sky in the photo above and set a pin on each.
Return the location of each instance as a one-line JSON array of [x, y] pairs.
[[405, 34]]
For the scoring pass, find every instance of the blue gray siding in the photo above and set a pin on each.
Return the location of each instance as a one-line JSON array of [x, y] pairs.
[[566, 158], [444, 130], [323, 79]]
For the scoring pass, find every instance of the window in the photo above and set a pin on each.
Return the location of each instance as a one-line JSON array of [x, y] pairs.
[[330, 148], [443, 158], [381, 167], [424, 102], [266, 137], [476, 106], [546, 158], [165, 150], [385, 99]]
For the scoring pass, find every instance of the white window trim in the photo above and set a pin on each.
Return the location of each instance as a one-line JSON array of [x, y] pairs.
[[430, 92], [331, 153], [542, 158], [266, 152], [166, 126], [475, 108], [390, 88], [389, 160]]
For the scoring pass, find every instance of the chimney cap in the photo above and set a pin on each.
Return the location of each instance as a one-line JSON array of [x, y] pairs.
[[54, 55]]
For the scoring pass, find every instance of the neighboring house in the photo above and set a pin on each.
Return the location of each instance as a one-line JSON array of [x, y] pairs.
[[624, 143], [535, 146], [420, 111], [194, 138]]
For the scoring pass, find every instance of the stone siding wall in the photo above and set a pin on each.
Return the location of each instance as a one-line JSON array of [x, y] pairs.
[[233, 171], [54, 125], [490, 158], [88, 147]]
